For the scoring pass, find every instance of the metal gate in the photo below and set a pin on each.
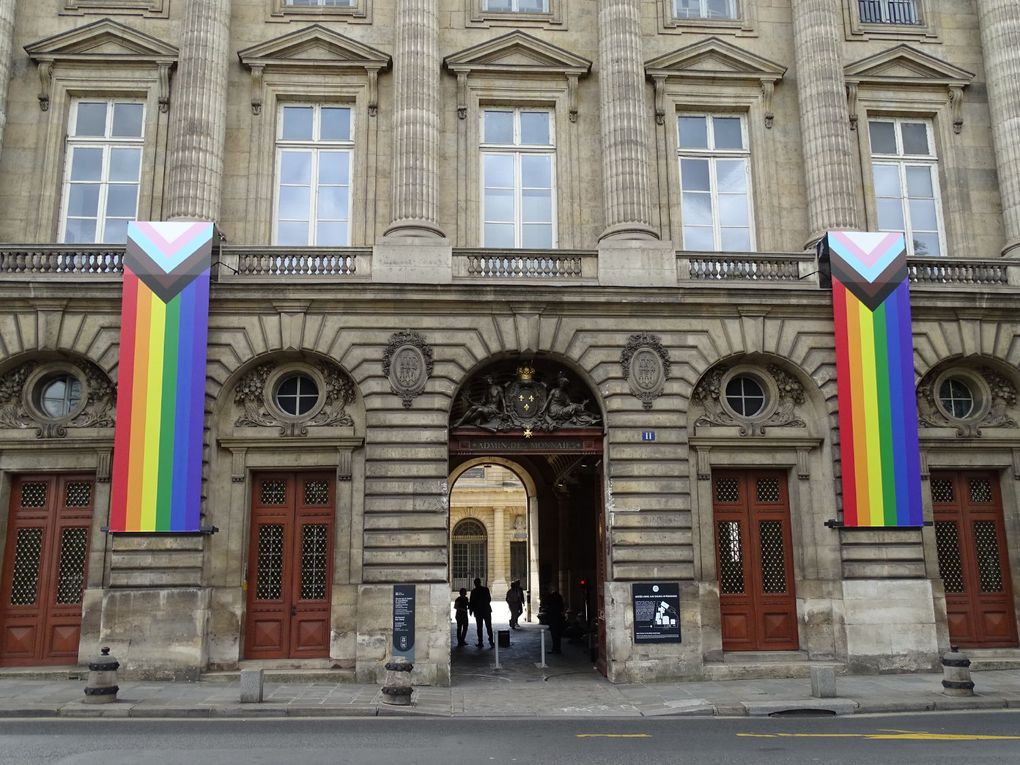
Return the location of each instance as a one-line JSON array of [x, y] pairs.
[[470, 554]]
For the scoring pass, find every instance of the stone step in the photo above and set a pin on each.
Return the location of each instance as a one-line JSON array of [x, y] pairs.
[[69, 672], [772, 667], [985, 659], [291, 675]]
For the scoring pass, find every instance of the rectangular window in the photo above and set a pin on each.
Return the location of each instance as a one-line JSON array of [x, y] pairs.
[[321, 3], [102, 170], [715, 183], [905, 170], [516, 6], [705, 9], [313, 169], [889, 11], [518, 175]]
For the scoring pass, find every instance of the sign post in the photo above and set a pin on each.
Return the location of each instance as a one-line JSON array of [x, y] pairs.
[[656, 612], [403, 621]]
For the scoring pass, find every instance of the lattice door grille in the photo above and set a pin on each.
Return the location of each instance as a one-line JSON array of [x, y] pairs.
[[316, 492], [980, 490], [314, 563], [773, 556], [71, 569], [731, 558], [941, 490], [727, 490], [33, 494], [986, 542], [767, 490], [78, 494], [269, 579], [947, 542], [273, 492], [25, 578]]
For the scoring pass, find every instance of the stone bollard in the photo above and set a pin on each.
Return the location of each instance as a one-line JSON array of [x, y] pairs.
[[102, 684], [956, 674], [823, 682], [397, 688], [251, 686]]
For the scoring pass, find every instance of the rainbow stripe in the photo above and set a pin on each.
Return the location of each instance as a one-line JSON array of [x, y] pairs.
[[157, 461], [875, 376]]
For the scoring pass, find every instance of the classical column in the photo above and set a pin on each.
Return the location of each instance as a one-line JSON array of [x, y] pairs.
[[1000, 40], [198, 113], [6, 49], [830, 164], [623, 117], [415, 119]]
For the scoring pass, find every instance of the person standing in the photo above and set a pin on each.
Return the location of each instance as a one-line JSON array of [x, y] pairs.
[[460, 607], [553, 603], [480, 605], [515, 599]]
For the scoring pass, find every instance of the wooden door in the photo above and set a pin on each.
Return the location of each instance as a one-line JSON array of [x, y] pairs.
[[44, 569], [290, 566], [971, 542], [601, 565], [753, 547]]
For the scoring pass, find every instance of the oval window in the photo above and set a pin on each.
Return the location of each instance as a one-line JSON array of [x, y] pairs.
[[956, 397], [297, 394], [59, 396], [745, 395]]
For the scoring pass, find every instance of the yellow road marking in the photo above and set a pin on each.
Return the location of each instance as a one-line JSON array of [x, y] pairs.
[[613, 735], [889, 735]]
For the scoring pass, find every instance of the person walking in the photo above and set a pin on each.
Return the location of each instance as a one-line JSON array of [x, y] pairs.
[[515, 599], [553, 603], [460, 607], [480, 605]]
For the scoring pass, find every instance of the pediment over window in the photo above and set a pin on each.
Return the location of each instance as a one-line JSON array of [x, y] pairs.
[[714, 61], [103, 42], [517, 53], [315, 47]]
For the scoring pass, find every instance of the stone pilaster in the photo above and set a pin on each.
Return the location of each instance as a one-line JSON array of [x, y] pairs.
[[623, 119], [830, 165], [415, 120], [6, 49], [1000, 40], [198, 113]]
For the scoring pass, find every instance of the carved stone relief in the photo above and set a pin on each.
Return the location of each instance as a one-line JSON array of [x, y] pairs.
[[18, 408], [646, 367], [994, 404], [253, 396], [783, 396], [407, 362]]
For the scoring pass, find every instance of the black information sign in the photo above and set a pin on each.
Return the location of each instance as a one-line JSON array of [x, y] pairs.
[[656, 612], [403, 621]]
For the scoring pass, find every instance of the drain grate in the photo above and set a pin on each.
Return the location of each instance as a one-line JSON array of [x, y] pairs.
[[804, 713]]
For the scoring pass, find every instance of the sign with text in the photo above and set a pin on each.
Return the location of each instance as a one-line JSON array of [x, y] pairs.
[[403, 621], [656, 612]]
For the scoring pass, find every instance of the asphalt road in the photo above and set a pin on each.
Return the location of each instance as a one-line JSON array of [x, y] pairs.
[[925, 739]]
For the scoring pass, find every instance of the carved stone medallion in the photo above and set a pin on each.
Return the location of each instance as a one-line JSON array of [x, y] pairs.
[[994, 404], [407, 362], [646, 367], [253, 396], [783, 396], [18, 408]]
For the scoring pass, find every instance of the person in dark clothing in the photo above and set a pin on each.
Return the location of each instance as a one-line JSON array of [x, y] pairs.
[[515, 599], [553, 603], [460, 607], [480, 605]]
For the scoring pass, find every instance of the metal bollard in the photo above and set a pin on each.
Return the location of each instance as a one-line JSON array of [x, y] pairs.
[[542, 664], [956, 674], [397, 689], [102, 684]]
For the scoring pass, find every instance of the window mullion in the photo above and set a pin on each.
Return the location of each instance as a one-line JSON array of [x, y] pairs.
[[713, 192], [313, 195], [104, 185], [518, 201], [908, 224]]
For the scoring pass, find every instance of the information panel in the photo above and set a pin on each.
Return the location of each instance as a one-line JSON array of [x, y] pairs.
[[403, 621], [656, 612]]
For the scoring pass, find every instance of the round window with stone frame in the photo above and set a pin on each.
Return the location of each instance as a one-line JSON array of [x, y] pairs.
[[56, 392], [961, 394], [295, 392], [746, 394]]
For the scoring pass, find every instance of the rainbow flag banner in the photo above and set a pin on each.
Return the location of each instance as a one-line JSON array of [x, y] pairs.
[[157, 455], [875, 377]]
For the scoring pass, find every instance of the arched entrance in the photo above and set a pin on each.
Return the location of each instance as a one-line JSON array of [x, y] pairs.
[[469, 557]]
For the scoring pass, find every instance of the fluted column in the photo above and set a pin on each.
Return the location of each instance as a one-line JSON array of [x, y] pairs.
[[415, 119], [623, 116], [830, 165], [6, 50], [198, 113], [1000, 39]]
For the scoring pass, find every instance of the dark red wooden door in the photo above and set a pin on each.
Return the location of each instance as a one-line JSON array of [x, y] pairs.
[[973, 564], [755, 555], [45, 564], [290, 566]]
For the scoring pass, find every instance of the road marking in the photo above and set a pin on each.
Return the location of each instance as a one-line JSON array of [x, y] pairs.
[[614, 735], [889, 735]]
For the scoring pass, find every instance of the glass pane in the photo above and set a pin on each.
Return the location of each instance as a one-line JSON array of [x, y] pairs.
[[86, 164], [331, 234], [728, 134], [883, 137], [693, 133], [532, 6], [115, 231], [731, 175], [915, 138], [922, 215], [297, 123], [332, 202], [127, 120], [887, 181], [294, 202], [721, 9], [694, 174], [538, 236], [124, 164], [498, 170], [536, 171], [80, 231], [334, 167], [927, 244], [83, 200], [54, 401], [296, 167], [121, 200], [919, 182], [698, 238], [890, 214], [498, 5], [733, 210], [499, 205], [498, 127], [499, 235], [535, 128], [697, 209], [294, 234], [91, 119], [736, 239], [537, 206], [334, 124]]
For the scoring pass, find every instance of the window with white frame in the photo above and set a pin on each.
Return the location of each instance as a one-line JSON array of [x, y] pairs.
[[516, 6], [705, 9], [715, 182], [889, 11], [904, 167], [518, 178], [102, 170], [321, 3], [313, 169]]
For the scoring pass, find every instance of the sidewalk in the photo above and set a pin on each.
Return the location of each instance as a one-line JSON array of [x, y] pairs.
[[546, 695]]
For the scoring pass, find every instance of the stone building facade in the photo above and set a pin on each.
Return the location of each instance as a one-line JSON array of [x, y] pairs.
[[610, 205]]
